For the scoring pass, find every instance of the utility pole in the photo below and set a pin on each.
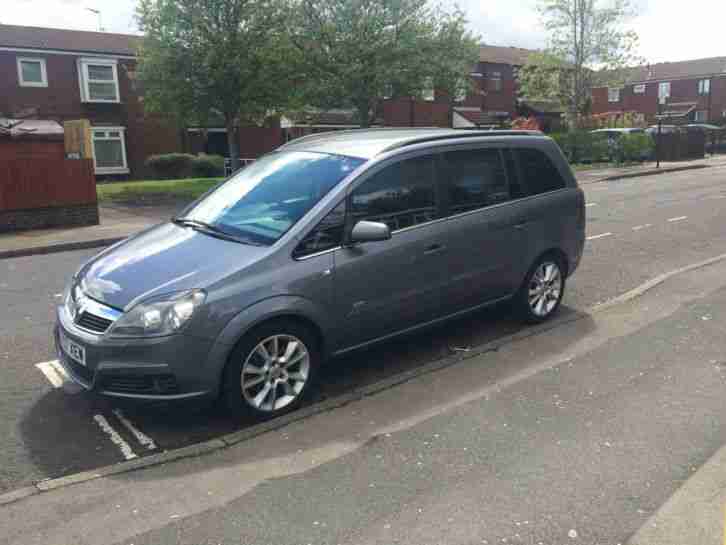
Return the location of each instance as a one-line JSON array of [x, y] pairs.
[[98, 14]]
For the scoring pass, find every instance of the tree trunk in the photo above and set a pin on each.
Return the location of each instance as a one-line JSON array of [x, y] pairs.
[[232, 143], [364, 113]]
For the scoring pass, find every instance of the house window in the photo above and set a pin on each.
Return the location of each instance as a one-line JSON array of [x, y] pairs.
[[495, 81], [613, 94], [704, 86], [701, 116], [31, 72], [98, 80], [109, 150], [664, 89], [639, 89]]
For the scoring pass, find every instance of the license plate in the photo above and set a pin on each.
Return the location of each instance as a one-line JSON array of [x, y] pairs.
[[73, 350]]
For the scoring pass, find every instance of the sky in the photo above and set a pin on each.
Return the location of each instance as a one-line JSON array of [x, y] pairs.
[[669, 30]]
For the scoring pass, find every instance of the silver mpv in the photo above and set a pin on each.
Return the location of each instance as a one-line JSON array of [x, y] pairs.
[[332, 242]]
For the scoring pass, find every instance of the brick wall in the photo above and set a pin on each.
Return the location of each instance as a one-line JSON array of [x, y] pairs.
[[405, 112], [42, 218]]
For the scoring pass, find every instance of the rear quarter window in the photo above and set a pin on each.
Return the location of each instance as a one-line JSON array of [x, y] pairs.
[[539, 173]]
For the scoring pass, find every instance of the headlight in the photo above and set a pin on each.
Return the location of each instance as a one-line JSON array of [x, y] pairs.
[[158, 316], [71, 298]]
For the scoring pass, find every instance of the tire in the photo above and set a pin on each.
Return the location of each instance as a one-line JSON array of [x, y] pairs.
[[536, 309], [264, 386]]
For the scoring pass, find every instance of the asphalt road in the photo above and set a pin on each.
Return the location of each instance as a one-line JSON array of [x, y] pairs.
[[640, 228]]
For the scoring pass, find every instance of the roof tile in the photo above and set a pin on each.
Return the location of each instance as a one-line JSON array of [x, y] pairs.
[[68, 40]]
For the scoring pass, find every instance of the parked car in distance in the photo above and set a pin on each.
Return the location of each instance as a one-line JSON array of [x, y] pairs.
[[331, 243]]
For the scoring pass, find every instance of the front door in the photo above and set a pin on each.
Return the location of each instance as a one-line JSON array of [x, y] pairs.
[[385, 287]]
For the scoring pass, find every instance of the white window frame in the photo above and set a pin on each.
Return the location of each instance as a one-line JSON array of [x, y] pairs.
[[43, 72], [639, 89], [83, 79], [428, 93], [613, 94], [496, 79], [664, 89], [700, 116], [122, 138], [704, 87]]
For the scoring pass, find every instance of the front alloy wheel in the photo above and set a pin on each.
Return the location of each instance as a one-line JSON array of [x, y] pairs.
[[275, 373], [271, 369]]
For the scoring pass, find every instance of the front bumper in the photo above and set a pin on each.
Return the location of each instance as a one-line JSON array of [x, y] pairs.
[[164, 368]]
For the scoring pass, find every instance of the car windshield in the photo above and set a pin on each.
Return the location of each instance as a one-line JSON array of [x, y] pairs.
[[265, 199]]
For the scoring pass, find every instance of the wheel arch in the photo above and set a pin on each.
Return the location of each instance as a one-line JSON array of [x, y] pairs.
[[291, 308], [559, 254]]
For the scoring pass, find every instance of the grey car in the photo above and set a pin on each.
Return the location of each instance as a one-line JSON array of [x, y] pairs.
[[331, 243]]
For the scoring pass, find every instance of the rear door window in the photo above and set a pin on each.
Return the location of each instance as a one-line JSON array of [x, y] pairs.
[[539, 174], [474, 179]]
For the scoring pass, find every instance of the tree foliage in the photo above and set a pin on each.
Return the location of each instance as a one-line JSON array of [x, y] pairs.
[[356, 51], [589, 44], [227, 59]]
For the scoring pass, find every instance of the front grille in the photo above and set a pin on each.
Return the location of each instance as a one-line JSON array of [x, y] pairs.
[[140, 384], [92, 322]]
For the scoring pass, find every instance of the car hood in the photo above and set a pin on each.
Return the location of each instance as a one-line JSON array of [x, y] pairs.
[[162, 259]]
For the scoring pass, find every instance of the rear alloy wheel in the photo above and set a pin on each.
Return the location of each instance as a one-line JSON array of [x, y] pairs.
[[542, 291], [271, 370]]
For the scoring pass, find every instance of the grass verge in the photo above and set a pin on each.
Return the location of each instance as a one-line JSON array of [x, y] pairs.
[[155, 190]]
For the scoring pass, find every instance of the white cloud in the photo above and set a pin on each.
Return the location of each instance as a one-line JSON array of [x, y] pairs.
[[669, 30]]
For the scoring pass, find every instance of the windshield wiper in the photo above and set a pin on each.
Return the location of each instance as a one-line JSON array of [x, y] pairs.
[[212, 230]]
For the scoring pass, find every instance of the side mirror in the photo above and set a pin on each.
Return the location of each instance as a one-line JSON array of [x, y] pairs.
[[369, 231]]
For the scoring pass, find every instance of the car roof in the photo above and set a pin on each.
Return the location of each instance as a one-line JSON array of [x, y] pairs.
[[368, 143], [619, 129]]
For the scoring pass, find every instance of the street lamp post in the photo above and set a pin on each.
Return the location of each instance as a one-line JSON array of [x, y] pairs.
[[661, 103], [98, 14]]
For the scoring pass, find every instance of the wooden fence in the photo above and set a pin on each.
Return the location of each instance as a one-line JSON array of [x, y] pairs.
[[43, 183]]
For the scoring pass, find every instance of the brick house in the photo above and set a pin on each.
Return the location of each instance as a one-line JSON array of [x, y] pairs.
[[495, 94], [67, 74], [695, 91]]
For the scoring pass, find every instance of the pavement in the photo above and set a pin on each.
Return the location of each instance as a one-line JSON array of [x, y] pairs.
[[118, 221], [607, 425]]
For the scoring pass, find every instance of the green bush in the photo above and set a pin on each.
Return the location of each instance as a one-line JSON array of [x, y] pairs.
[[207, 166], [171, 165], [635, 147], [582, 146], [184, 165], [585, 147]]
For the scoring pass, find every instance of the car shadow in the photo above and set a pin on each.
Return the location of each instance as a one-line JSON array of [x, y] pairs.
[[61, 436]]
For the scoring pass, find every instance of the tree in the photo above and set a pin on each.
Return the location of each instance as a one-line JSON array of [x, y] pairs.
[[356, 51], [588, 44], [452, 54], [215, 58]]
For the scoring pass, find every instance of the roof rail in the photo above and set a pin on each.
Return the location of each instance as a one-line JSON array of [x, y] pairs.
[[325, 134], [463, 134]]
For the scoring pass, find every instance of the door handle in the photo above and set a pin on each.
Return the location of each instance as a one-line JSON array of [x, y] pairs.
[[433, 249], [521, 224]]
